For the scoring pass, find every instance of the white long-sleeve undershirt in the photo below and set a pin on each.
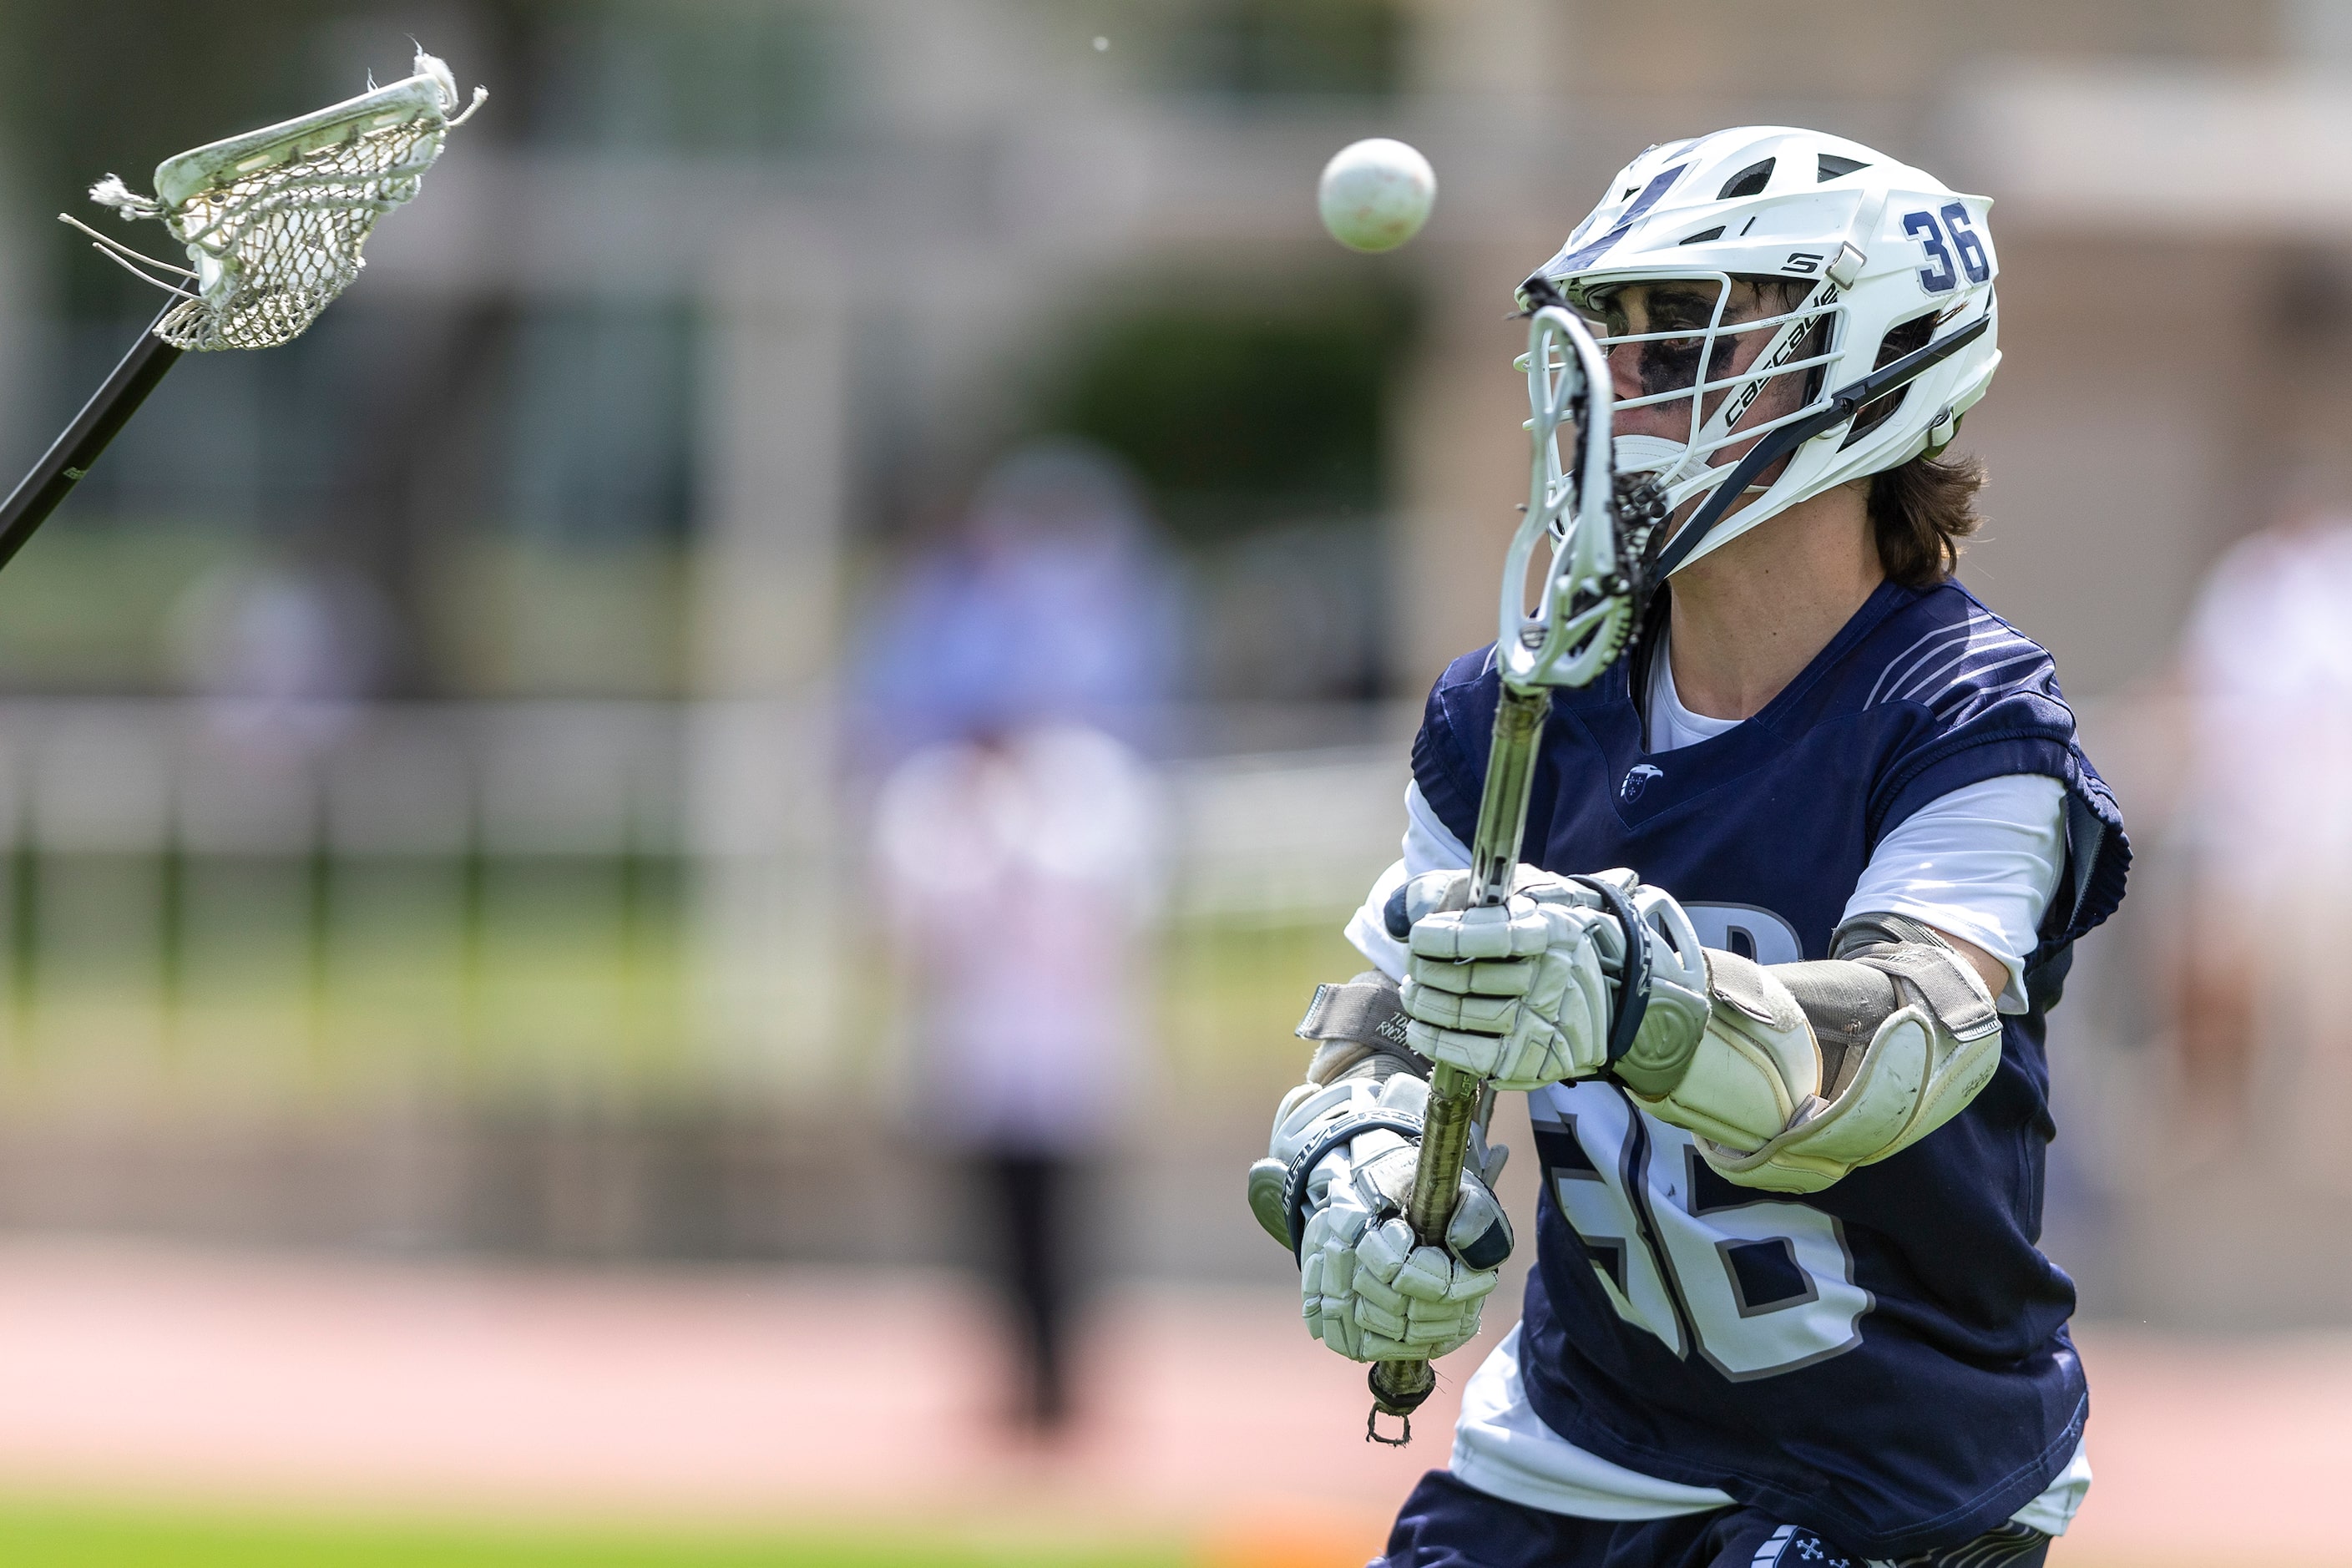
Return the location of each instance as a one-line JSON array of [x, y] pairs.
[[1981, 863]]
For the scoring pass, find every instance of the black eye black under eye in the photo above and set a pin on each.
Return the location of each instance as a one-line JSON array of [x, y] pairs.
[[1669, 366]]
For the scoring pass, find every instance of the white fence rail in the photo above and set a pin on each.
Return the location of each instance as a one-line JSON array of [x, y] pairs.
[[1266, 834]]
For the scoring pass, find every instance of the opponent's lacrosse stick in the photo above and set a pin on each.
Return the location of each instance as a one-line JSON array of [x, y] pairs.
[[1588, 612], [273, 221]]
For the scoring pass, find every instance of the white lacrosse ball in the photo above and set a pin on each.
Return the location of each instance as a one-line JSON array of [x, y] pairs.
[[1376, 194]]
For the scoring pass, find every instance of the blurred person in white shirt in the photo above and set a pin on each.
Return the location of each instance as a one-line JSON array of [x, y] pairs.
[[2267, 819], [1020, 870], [1018, 841]]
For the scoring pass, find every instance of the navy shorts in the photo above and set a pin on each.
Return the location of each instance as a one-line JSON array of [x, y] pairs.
[[1445, 1524]]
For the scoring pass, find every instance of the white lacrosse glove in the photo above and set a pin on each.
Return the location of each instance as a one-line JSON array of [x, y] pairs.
[[1336, 1180], [1525, 994]]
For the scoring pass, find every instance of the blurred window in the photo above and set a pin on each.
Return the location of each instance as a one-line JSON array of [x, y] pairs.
[[602, 407], [724, 77], [1243, 414], [1269, 48], [194, 454]]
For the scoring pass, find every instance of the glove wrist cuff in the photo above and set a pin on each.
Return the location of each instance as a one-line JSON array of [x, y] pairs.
[[1634, 987], [1340, 1133]]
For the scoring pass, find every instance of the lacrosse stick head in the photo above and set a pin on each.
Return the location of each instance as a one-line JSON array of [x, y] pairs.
[[1600, 526], [274, 220]]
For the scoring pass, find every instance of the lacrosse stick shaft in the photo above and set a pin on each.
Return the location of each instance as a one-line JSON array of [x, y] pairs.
[[1589, 606], [70, 456], [1400, 1386]]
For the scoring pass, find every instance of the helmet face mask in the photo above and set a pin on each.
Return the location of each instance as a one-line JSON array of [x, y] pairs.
[[1745, 284], [1711, 364]]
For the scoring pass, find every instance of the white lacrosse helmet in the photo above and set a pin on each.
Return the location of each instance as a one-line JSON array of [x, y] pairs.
[[1895, 337]]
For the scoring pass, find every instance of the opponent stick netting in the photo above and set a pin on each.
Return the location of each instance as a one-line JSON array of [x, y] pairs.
[[274, 220]]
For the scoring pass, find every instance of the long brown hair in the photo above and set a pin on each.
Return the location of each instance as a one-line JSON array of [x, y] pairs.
[[1919, 513], [1919, 510]]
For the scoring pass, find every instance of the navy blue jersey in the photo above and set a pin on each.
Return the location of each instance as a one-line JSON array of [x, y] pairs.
[[1885, 1362]]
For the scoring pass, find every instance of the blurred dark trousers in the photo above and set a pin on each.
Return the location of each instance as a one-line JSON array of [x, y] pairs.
[[1031, 1195]]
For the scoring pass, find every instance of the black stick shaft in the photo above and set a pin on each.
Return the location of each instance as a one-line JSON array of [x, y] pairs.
[[70, 456]]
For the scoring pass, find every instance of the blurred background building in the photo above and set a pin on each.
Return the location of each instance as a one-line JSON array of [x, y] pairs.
[[431, 806]]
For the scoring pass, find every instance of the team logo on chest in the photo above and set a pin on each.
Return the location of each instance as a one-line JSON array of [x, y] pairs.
[[1636, 781]]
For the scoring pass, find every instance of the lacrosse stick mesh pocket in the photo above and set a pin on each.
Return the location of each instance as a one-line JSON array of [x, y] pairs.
[[274, 220]]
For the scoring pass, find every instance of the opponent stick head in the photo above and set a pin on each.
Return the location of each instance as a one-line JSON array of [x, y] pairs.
[[274, 220]]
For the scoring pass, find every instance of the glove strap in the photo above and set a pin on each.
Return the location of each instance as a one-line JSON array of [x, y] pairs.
[[1302, 1165], [1633, 989], [1359, 1011]]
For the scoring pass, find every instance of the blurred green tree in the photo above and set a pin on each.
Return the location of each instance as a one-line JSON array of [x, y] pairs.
[[1242, 413]]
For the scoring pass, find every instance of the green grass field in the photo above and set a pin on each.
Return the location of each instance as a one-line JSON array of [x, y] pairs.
[[33, 1537]]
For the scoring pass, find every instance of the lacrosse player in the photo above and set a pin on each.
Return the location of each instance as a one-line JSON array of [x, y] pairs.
[[1836, 841]]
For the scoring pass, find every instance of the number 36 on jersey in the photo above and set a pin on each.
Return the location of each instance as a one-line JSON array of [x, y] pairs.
[[1758, 1287]]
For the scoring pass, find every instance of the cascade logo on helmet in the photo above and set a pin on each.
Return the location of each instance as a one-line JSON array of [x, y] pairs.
[[1718, 215], [1776, 362]]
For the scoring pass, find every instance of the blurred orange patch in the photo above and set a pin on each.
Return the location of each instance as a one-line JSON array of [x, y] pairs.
[[1305, 1537]]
